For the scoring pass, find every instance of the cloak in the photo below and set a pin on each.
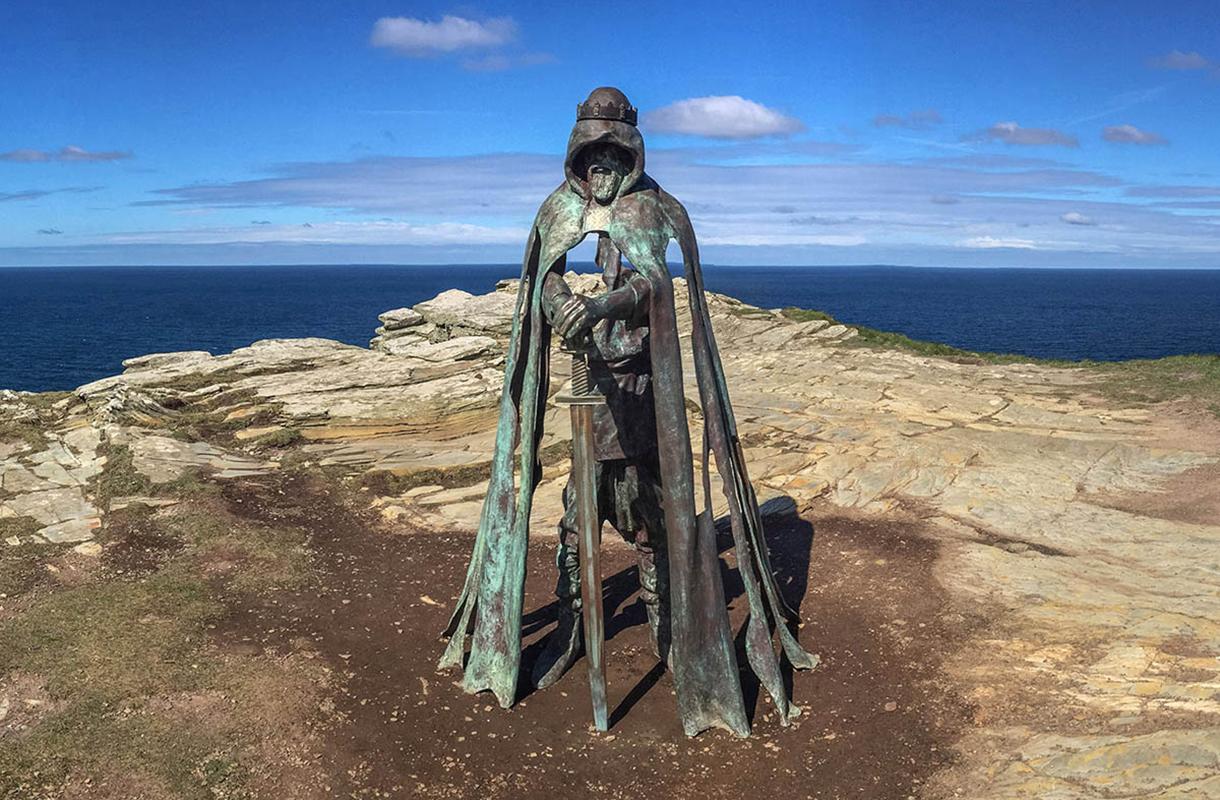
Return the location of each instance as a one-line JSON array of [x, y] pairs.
[[640, 222]]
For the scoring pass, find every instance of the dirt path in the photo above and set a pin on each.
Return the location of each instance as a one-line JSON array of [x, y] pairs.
[[879, 717]]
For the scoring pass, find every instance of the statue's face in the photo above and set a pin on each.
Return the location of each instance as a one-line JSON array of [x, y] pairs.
[[607, 168]]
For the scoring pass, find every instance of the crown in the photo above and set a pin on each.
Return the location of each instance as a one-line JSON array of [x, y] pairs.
[[607, 107]]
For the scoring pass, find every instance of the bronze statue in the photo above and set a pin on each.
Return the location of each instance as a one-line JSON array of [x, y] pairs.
[[638, 473]]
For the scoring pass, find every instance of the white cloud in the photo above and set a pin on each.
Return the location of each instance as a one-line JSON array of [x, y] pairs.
[[1177, 60], [418, 38], [1076, 218], [721, 117], [995, 243], [1129, 134], [1012, 133]]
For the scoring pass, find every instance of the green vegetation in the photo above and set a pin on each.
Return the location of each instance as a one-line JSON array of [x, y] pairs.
[[384, 482], [119, 477], [1161, 379], [888, 340], [206, 419], [122, 661], [284, 437], [23, 566], [31, 433], [43, 401], [1137, 381]]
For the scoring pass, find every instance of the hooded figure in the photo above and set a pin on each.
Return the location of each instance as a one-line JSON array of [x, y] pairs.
[[643, 430]]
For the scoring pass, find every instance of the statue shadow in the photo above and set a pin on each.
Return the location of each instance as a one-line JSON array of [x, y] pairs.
[[790, 544], [789, 540]]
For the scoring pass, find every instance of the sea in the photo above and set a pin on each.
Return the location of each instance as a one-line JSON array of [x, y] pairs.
[[63, 327]]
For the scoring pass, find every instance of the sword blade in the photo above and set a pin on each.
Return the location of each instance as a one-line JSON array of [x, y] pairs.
[[590, 561]]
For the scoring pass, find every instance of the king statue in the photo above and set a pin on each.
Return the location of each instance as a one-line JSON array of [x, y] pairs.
[[634, 466]]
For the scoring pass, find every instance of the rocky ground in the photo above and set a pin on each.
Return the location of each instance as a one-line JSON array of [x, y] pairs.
[[222, 576]]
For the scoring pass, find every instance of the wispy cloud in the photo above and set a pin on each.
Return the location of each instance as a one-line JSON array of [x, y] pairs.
[[419, 38], [364, 233], [1178, 190], [1129, 134], [36, 194], [1178, 60], [28, 194], [1076, 218], [1013, 134], [498, 62], [1119, 103], [69, 153], [915, 120], [912, 208], [998, 243], [721, 117]]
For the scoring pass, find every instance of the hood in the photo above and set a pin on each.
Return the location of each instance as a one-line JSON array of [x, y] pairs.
[[588, 132]]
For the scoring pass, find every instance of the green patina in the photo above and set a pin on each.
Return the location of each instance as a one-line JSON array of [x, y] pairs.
[[640, 220]]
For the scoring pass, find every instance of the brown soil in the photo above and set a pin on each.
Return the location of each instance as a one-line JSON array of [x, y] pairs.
[[1188, 497], [880, 717]]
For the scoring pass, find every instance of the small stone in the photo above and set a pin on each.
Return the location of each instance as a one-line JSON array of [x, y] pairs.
[[91, 549], [891, 706]]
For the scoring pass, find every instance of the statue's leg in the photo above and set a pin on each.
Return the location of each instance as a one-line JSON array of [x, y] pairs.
[[563, 646], [640, 519]]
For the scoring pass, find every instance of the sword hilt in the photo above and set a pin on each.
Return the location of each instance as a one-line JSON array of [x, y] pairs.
[[580, 373], [582, 392]]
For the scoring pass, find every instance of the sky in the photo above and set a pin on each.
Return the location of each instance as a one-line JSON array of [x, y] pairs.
[[948, 133]]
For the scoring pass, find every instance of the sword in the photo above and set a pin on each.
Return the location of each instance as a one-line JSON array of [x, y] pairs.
[[581, 401]]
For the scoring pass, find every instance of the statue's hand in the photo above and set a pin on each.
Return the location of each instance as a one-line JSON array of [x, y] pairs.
[[576, 317]]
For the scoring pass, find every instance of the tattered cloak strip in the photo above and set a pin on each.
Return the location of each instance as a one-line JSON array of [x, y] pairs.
[[643, 220]]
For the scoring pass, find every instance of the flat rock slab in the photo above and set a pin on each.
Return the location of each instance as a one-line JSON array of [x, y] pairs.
[[163, 459]]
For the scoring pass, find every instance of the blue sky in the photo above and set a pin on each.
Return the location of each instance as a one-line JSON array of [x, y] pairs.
[[958, 134]]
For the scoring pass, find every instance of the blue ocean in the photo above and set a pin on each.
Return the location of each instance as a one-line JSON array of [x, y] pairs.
[[66, 326]]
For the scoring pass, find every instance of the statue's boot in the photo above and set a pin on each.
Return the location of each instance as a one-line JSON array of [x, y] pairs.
[[564, 645], [654, 596]]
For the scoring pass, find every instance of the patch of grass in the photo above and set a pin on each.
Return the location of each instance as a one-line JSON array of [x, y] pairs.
[[749, 312], [1139, 381], [23, 566], [137, 754], [31, 433], [807, 315], [1145, 381], [114, 639], [18, 526], [139, 697], [43, 401], [284, 437], [195, 381], [119, 477], [384, 482], [205, 420], [888, 340], [252, 558], [192, 484]]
